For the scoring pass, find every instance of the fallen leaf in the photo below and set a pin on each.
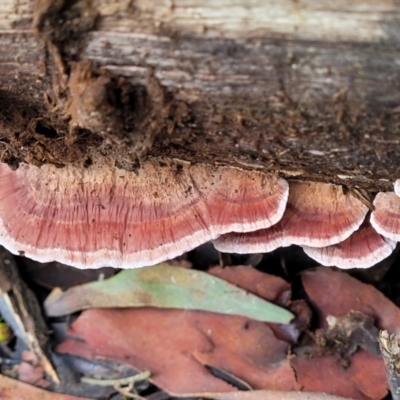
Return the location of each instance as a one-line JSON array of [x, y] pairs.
[[167, 287], [269, 287], [334, 292], [272, 288], [176, 346], [11, 389], [273, 395], [30, 371], [350, 307], [363, 379]]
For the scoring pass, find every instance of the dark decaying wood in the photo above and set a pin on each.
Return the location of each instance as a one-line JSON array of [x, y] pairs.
[[310, 88]]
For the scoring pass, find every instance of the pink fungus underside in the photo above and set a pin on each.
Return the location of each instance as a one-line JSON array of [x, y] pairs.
[[317, 214], [363, 249], [97, 216], [320, 214], [386, 216], [261, 241], [397, 187]]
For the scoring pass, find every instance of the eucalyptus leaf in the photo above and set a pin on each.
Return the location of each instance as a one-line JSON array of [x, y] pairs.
[[165, 286]]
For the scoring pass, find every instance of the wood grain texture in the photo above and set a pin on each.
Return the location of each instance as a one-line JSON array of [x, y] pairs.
[[309, 89]]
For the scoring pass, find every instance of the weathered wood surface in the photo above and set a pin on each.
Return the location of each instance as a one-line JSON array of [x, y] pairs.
[[307, 88]]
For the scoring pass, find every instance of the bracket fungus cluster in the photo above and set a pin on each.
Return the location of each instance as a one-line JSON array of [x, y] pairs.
[[316, 215], [386, 216], [330, 225], [364, 248], [104, 216], [100, 215]]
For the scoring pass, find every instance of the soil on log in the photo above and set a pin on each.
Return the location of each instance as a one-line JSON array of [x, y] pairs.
[[309, 89]]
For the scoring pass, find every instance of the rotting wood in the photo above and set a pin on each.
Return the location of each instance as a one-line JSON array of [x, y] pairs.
[[308, 89]]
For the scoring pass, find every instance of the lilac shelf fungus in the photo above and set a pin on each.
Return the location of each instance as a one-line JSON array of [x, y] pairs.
[[104, 216], [386, 216], [317, 215], [363, 249]]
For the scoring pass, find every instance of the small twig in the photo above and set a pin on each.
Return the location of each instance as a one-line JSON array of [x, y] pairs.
[[126, 391], [391, 356], [125, 386], [121, 381]]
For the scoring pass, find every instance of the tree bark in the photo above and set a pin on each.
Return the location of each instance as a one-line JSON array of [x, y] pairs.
[[306, 88]]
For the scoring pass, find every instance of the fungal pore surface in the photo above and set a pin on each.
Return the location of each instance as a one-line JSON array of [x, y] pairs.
[[320, 214], [363, 249], [386, 216], [261, 241], [317, 215], [397, 187], [104, 216]]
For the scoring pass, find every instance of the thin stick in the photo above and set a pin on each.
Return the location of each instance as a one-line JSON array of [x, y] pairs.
[[125, 386], [391, 356], [121, 381]]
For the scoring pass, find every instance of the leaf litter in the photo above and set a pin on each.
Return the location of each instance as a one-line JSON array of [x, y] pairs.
[[201, 352], [165, 286], [180, 346], [10, 388]]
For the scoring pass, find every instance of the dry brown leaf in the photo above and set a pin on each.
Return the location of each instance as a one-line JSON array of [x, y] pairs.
[[334, 292], [11, 389], [169, 343], [360, 375], [273, 395], [30, 371], [363, 379], [271, 288], [176, 346]]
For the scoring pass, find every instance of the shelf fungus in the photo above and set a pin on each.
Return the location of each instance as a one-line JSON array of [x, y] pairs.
[[104, 216], [317, 215], [363, 249], [261, 241], [386, 216], [320, 214], [397, 187]]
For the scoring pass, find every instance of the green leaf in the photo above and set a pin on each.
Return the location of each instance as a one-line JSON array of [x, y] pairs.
[[167, 287]]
